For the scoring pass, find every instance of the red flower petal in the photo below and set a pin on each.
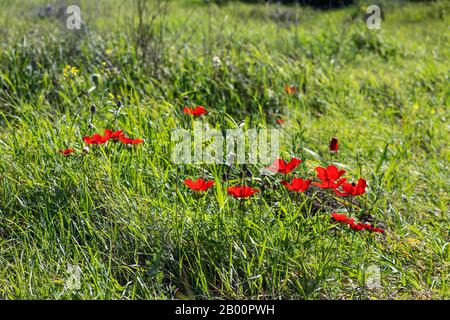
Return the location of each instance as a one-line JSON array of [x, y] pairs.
[[241, 191], [126, 140], [339, 217], [197, 111], [321, 173], [292, 165], [332, 173], [351, 189], [277, 165], [199, 184], [297, 184], [379, 230], [280, 166]]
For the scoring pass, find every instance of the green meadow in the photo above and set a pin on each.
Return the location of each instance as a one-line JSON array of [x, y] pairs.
[[121, 215]]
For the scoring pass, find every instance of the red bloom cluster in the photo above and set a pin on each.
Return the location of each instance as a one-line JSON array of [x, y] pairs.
[[280, 166], [110, 135], [199, 184], [342, 218], [197, 111], [331, 179]]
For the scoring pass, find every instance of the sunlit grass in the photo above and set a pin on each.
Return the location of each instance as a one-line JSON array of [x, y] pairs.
[[123, 213]]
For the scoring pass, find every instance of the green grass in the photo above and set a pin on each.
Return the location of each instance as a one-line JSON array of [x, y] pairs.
[[124, 216]]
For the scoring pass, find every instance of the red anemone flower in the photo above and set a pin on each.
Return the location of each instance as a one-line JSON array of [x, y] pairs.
[[329, 176], [352, 189], [291, 90], [114, 135], [99, 139], [197, 111], [199, 184], [280, 166], [379, 230], [241, 191], [130, 141], [358, 226], [334, 145], [66, 152], [95, 139], [339, 217], [297, 184]]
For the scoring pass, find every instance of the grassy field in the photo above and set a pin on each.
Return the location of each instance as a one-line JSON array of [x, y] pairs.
[[122, 213]]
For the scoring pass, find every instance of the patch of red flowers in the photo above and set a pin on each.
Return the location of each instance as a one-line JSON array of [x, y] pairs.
[[358, 226], [352, 189], [329, 177], [97, 138], [297, 184], [111, 135], [241, 191], [131, 141], [197, 111], [280, 166], [334, 145], [66, 152], [199, 184]]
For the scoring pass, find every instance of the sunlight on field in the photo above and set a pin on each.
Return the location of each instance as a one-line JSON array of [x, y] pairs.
[[88, 126]]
